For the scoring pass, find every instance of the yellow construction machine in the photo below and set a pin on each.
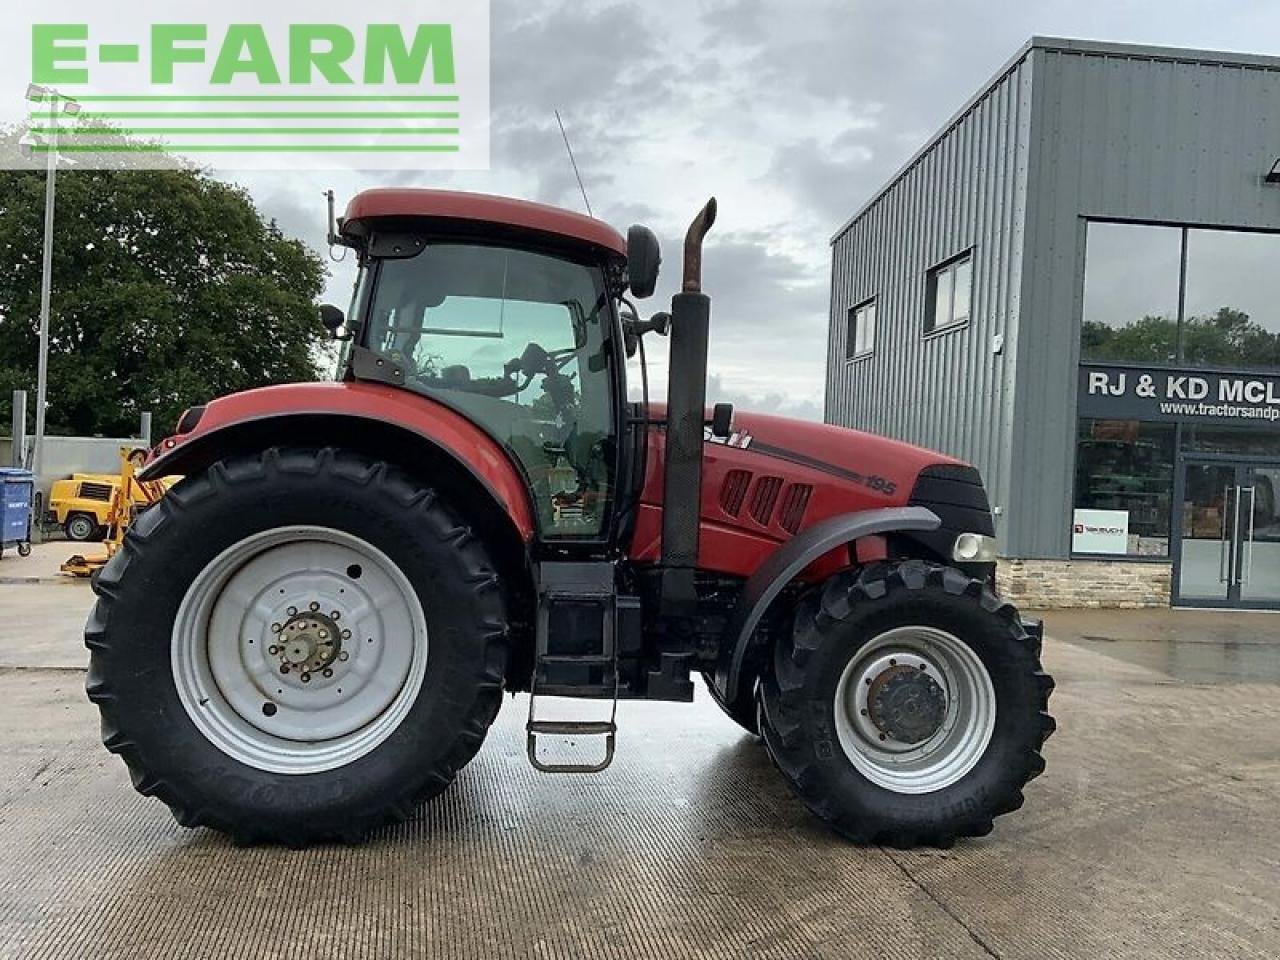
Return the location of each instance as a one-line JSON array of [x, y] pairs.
[[128, 497]]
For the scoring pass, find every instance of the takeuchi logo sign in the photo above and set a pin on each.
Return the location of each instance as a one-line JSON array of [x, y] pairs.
[[318, 84], [1112, 392]]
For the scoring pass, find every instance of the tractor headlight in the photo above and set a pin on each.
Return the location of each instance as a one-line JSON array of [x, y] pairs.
[[974, 548]]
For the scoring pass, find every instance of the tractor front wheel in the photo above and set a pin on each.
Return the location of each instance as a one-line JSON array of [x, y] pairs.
[[297, 646], [908, 705]]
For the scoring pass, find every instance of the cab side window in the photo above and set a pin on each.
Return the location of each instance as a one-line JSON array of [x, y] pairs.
[[515, 340]]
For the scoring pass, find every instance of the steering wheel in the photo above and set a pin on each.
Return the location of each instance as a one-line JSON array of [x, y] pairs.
[[536, 361]]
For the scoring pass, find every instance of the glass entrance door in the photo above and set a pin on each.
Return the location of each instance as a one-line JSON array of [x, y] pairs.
[[1260, 543], [1229, 539]]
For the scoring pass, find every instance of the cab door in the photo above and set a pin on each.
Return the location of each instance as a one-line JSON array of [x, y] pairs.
[[518, 341]]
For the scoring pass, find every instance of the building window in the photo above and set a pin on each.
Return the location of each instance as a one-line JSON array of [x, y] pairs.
[[1124, 488], [1231, 312], [862, 330], [949, 294], [1179, 296], [1131, 287]]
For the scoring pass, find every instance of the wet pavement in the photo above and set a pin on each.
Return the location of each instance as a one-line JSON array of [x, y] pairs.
[[1154, 832]]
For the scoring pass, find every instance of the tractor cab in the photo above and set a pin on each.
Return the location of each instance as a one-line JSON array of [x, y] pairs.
[[519, 333]]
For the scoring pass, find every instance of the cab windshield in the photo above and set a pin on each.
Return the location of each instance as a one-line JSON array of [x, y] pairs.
[[516, 340]]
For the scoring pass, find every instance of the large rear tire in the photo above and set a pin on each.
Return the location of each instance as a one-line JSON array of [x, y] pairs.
[[907, 706], [297, 646]]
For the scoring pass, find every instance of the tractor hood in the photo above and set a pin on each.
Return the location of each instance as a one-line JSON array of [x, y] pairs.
[[854, 455]]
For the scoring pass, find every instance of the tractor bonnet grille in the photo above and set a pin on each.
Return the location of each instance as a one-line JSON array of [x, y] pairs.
[[733, 491], [764, 497], [794, 505], [95, 491]]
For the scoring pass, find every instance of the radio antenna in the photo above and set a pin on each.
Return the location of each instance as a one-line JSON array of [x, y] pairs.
[[574, 164]]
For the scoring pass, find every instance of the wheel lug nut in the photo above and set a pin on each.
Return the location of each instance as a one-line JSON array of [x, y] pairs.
[[343, 655], [328, 673], [306, 678], [276, 628], [293, 611], [346, 634], [314, 606], [284, 668], [335, 615], [324, 634], [273, 650]]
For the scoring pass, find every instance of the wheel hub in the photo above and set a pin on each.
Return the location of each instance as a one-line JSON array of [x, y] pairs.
[[308, 642], [906, 704]]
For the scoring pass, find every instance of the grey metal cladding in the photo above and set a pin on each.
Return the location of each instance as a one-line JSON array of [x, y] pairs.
[[1068, 130], [967, 191], [1127, 133]]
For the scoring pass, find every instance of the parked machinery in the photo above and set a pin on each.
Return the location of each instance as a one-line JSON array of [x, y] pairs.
[[311, 633]]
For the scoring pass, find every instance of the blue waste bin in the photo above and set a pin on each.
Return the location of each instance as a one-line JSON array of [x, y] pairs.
[[16, 490]]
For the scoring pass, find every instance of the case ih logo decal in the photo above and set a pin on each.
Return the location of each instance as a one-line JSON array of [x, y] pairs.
[[384, 84], [739, 438]]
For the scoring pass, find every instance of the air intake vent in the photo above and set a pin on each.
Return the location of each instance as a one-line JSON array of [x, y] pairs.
[[95, 491], [794, 505], [764, 496], [734, 491]]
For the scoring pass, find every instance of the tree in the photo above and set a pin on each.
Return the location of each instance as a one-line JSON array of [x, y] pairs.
[[1226, 338], [169, 289]]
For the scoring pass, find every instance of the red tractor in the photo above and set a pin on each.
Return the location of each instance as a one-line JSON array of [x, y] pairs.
[[310, 635]]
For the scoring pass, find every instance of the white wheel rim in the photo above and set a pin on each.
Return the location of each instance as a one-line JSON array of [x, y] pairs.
[[255, 660], [967, 719]]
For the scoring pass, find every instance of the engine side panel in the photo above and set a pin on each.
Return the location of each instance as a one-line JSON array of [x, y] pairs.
[[775, 477]]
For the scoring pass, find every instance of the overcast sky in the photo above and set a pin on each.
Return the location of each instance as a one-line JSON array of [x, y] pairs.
[[791, 113]]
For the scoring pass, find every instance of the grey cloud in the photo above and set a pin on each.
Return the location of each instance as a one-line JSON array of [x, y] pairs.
[[797, 112]]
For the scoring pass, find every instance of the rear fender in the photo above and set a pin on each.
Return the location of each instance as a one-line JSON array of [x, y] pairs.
[[390, 424], [784, 565]]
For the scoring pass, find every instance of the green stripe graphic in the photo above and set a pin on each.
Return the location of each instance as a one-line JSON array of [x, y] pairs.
[[249, 148], [273, 115], [261, 98], [252, 131]]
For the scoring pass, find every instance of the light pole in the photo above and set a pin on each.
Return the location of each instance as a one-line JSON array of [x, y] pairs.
[[39, 94]]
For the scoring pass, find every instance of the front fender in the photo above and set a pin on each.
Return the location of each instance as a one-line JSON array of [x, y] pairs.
[[310, 412], [785, 564]]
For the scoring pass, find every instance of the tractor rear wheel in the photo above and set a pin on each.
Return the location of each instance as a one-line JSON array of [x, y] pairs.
[[297, 646], [907, 706]]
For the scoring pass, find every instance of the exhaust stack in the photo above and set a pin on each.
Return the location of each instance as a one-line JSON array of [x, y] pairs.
[[686, 413]]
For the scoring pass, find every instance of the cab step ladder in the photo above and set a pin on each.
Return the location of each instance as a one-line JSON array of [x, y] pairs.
[[576, 656]]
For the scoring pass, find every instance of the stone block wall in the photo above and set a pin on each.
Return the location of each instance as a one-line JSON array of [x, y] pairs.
[[1067, 584]]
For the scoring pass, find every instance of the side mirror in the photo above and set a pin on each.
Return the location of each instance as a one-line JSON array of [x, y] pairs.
[[332, 318], [722, 421], [644, 257]]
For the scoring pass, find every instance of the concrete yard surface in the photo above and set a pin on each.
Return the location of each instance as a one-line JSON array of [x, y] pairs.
[[1154, 832]]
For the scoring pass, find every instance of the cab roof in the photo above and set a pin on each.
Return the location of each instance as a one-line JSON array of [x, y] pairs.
[[480, 207]]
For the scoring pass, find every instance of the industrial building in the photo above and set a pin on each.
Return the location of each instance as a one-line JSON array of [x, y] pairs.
[[1075, 285]]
